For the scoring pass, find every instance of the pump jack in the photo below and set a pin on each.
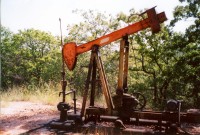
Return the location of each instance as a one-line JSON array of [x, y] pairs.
[[122, 105], [122, 100]]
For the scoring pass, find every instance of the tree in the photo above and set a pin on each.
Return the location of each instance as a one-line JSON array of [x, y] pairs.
[[31, 56], [188, 64], [40, 55], [7, 52]]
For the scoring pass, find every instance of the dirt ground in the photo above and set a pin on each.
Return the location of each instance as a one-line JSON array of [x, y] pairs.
[[26, 118], [32, 118]]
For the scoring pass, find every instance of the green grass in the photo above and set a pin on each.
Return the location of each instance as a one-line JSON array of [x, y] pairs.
[[47, 93]]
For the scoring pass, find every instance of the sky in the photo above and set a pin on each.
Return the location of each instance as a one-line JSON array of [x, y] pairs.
[[45, 14]]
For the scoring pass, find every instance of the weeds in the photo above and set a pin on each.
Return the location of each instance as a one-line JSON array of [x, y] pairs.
[[46, 93]]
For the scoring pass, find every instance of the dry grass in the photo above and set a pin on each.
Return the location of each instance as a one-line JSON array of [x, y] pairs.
[[46, 94]]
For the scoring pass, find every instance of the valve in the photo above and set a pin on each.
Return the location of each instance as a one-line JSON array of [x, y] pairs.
[[63, 106]]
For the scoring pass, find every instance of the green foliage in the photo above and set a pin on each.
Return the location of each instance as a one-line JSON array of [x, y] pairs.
[[29, 56], [6, 53], [187, 66]]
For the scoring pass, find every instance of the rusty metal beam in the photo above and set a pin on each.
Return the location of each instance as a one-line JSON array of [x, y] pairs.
[[96, 62], [104, 82], [120, 90], [71, 50], [93, 83], [126, 53], [87, 85], [104, 40]]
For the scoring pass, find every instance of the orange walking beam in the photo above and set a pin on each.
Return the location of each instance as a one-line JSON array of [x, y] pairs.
[[71, 50]]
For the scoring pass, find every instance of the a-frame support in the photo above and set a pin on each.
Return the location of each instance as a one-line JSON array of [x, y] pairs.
[[123, 66], [96, 63]]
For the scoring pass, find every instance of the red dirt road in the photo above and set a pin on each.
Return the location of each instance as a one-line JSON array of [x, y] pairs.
[[26, 117]]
